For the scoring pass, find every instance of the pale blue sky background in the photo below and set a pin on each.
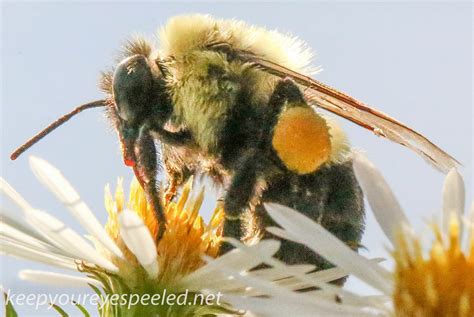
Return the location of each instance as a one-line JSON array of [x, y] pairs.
[[412, 61]]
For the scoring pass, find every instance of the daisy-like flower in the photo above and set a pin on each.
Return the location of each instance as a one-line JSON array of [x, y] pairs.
[[437, 280], [124, 257]]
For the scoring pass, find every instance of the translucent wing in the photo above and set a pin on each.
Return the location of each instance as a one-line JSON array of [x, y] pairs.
[[323, 96]]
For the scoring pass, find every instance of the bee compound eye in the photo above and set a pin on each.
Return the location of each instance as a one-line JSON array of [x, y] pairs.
[[133, 84]]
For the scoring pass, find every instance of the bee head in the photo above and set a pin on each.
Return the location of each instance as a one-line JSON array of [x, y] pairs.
[[140, 99], [136, 89]]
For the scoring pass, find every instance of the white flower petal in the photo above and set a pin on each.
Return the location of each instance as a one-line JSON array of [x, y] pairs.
[[237, 259], [56, 279], [274, 274], [15, 234], [22, 226], [230, 285], [328, 275], [319, 278], [276, 307], [284, 278], [294, 283], [300, 302], [52, 178], [62, 189], [16, 198], [13, 195], [68, 240], [314, 236], [139, 240], [384, 204], [308, 280], [376, 303], [21, 251], [279, 232], [453, 197]]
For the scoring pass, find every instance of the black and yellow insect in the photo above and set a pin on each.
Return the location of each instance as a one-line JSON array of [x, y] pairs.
[[234, 102]]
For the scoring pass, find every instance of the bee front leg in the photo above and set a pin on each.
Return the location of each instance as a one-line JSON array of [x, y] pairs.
[[171, 190], [239, 194], [176, 139], [145, 170]]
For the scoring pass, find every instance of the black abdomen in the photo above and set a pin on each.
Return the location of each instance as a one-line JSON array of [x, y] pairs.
[[331, 196]]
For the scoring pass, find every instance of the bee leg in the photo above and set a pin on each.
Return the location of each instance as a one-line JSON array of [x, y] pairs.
[[286, 91], [171, 138], [244, 181], [171, 190], [238, 197], [145, 170]]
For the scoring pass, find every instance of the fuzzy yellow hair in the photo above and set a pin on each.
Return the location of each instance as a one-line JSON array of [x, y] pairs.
[[185, 34]]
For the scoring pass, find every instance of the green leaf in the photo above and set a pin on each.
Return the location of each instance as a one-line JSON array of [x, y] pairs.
[[59, 310], [9, 310], [101, 296], [82, 309], [96, 289]]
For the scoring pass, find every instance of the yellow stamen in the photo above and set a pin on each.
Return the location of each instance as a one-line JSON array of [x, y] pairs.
[[186, 239], [440, 284]]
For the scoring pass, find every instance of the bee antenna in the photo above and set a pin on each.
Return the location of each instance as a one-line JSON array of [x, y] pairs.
[[54, 125]]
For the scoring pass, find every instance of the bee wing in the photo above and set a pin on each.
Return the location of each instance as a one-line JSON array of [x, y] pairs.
[[330, 99]]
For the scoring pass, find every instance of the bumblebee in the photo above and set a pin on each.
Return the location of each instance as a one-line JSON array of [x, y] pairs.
[[235, 102]]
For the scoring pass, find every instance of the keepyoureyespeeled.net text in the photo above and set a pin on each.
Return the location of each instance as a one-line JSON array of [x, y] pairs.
[[38, 300]]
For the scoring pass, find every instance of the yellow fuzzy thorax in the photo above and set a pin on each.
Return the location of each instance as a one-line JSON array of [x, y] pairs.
[[441, 284], [186, 33], [186, 239], [203, 101]]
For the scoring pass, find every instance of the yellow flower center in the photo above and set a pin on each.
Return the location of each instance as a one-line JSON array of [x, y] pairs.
[[186, 239], [440, 284]]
